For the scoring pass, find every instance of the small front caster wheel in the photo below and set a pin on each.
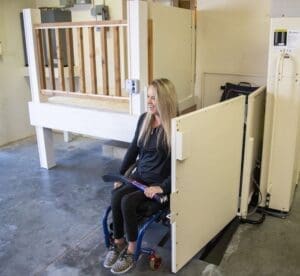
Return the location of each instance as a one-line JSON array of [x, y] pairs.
[[154, 262]]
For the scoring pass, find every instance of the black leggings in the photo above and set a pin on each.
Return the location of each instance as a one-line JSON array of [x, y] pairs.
[[124, 203]]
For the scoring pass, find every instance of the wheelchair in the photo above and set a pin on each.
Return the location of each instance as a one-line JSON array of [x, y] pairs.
[[146, 216]]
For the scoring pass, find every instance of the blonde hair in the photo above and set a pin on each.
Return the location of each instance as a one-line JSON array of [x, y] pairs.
[[167, 109]]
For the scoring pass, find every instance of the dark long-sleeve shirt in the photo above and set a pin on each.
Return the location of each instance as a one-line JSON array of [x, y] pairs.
[[154, 163]]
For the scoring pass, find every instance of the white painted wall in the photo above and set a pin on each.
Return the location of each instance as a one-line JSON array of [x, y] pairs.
[[14, 87], [232, 38]]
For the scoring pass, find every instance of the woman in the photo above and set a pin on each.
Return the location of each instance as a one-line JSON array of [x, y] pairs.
[[152, 146]]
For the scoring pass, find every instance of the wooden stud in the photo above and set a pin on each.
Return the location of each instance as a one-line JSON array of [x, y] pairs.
[[117, 61], [60, 65], [92, 60], [150, 50], [124, 9], [70, 56], [125, 51], [104, 60], [39, 41], [193, 5], [81, 60], [57, 29], [50, 59]]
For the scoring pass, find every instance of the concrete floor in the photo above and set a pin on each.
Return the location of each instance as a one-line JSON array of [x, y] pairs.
[[49, 220]]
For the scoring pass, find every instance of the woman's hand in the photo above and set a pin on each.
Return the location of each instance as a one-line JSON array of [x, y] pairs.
[[151, 191], [117, 184]]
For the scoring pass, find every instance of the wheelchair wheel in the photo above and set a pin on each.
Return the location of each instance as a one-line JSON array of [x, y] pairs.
[[154, 262]]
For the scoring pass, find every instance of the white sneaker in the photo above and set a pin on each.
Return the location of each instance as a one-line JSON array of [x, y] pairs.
[[113, 254], [124, 263]]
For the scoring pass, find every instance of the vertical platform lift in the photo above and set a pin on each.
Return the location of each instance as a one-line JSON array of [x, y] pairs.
[[280, 164]]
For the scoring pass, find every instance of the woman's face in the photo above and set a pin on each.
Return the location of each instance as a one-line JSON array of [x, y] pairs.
[[152, 100]]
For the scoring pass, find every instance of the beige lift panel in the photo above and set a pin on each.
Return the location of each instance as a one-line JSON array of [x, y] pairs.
[[280, 163], [206, 163], [173, 53], [253, 144]]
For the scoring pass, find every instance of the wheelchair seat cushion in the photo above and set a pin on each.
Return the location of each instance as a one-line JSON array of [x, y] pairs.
[[148, 208]]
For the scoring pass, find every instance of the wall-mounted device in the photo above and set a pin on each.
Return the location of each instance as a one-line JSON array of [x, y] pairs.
[[83, 1], [100, 10], [71, 3], [281, 152], [280, 37], [132, 86], [66, 3]]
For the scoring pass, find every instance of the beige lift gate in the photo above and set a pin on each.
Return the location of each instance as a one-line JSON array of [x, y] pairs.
[[206, 162], [173, 49]]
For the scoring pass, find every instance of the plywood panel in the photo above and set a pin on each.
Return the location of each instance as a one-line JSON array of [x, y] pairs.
[[173, 44], [253, 144], [205, 183], [232, 36], [93, 122]]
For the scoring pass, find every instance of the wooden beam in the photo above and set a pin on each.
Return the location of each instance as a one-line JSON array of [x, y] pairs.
[[125, 52], [125, 43], [70, 56], [50, 59], [92, 60], [117, 99], [40, 55], [104, 60], [138, 51], [193, 5], [117, 61], [81, 60], [124, 10], [65, 25], [61, 75]]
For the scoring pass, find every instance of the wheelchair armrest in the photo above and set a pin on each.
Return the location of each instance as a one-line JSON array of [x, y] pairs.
[[130, 170]]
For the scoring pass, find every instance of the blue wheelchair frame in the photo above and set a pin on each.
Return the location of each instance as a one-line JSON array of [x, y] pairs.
[[142, 229]]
